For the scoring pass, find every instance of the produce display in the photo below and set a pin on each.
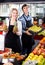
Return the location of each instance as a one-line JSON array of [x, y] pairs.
[[34, 60], [37, 56], [30, 62], [42, 33], [6, 51], [1, 29], [35, 28], [9, 55], [5, 28], [14, 55], [40, 49]]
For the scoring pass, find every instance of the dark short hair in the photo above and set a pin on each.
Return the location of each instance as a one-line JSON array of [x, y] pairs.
[[24, 6]]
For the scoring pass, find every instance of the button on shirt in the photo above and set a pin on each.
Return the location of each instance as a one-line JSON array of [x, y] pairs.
[[23, 21]]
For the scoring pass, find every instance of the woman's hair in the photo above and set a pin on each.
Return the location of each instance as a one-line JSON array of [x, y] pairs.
[[12, 11]]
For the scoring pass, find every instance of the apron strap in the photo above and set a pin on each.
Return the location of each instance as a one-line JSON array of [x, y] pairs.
[[28, 23]]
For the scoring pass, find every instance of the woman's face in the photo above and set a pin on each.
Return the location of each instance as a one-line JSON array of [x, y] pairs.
[[25, 9], [14, 14]]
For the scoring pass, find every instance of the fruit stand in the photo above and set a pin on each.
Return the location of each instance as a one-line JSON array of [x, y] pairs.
[[41, 34], [37, 56]]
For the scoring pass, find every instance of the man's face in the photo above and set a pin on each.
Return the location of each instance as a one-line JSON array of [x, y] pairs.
[[25, 9]]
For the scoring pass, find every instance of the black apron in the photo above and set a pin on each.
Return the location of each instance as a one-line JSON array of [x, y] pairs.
[[27, 40], [28, 23], [12, 40]]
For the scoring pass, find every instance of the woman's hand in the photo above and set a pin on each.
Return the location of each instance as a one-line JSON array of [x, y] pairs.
[[8, 63], [18, 33]]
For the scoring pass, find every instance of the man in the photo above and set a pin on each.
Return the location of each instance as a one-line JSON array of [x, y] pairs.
[[25, 18], [26, 21]]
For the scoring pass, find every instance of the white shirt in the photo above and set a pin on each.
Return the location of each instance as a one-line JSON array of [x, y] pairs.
[[19, 25]]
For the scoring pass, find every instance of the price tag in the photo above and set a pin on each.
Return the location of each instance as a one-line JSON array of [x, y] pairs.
[[2, 38], [4, 60]]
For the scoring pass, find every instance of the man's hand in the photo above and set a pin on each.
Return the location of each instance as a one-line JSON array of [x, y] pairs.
[[28, 33]]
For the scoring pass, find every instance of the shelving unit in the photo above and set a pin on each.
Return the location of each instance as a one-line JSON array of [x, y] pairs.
[[34, 9]]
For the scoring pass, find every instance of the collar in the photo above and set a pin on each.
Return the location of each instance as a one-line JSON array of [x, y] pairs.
[[26, 16]]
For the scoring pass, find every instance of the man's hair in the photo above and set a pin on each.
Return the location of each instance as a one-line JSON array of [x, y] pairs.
[[24, 6]]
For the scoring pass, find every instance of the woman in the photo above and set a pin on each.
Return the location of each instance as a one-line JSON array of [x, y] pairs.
[[12, 38]]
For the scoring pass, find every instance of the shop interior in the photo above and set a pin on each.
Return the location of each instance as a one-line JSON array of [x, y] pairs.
[[37, 55]]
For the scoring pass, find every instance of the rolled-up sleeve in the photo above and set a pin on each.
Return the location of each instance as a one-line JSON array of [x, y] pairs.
[[23, 24]]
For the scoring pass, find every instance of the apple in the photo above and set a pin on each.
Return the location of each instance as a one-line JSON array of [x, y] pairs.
[[39, 52], [43, 50], [35, 57], [43, 54], [39, 45], [31, 55], [35, 50], [40, 58], [27, 59]]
